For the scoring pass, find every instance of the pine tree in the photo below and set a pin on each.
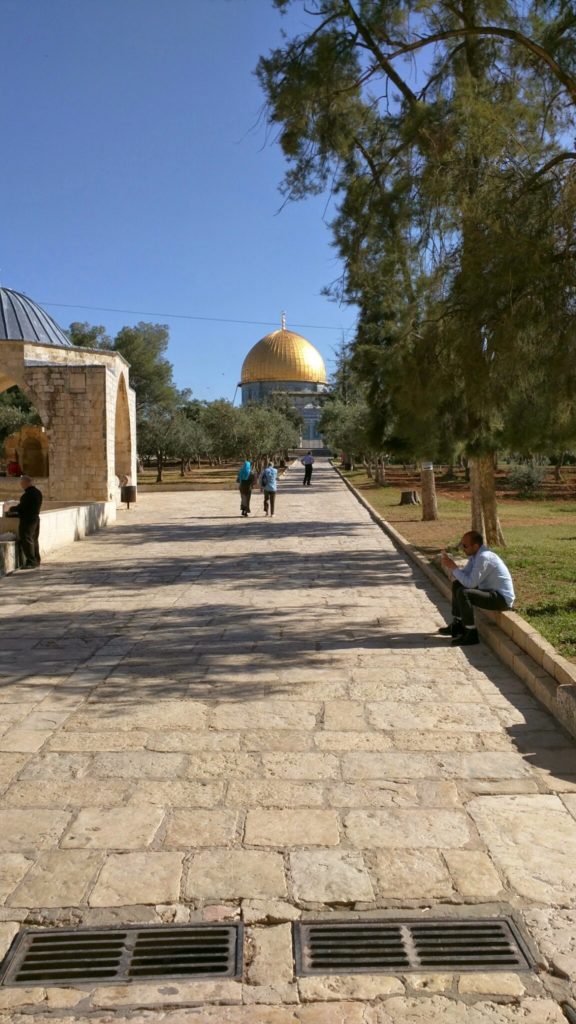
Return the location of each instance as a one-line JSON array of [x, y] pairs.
[[454, 207]]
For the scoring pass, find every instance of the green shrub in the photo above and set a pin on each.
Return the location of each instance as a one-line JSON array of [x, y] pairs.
[[527, 479]]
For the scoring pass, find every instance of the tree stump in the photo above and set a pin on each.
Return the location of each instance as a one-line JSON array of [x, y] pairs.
[[409, 498]]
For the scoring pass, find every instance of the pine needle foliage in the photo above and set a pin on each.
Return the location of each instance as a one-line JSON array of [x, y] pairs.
[[443, 131]]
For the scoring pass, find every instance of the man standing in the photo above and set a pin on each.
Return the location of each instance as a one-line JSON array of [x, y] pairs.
[[28, 512], [307, 462], [484, 582]]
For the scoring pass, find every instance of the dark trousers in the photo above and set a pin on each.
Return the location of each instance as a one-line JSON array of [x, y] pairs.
[[465, 599], [307, 475], [269, 500], [245, 495], [28, 533]]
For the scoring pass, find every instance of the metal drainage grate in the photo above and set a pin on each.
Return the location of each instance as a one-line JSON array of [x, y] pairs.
[[393, 946], [99, 954]]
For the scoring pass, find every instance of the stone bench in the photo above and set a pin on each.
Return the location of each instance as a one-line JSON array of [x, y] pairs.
[[60, 524]]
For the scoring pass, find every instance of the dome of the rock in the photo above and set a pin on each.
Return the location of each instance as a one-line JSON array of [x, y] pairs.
[[283, 356], [22, 319]]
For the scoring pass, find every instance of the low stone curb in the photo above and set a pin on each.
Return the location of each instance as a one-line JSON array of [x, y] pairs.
[[549, 676]]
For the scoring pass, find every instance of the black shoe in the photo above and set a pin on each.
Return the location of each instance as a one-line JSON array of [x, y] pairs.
[[466, 639], [454, 629]]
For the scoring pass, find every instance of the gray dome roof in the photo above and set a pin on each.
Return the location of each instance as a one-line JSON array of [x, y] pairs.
[[21, 319]]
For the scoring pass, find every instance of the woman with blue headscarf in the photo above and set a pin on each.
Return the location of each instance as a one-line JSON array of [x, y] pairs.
[[245, 479]]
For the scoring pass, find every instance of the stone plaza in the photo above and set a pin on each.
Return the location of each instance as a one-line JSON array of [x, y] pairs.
[[209, 718]]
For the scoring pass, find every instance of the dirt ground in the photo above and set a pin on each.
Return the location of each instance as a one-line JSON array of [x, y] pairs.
[[428, 535]]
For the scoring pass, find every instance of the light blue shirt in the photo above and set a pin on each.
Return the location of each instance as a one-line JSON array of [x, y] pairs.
[[269, 482], [486, 571]]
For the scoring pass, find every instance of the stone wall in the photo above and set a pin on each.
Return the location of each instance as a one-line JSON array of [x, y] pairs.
[[77, 393], [62, 526]]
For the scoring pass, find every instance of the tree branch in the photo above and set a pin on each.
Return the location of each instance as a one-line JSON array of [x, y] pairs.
[[568, 81], [558, 159], [382, 60]]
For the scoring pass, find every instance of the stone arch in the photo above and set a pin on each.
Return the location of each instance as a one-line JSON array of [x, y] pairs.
[[20, 382], [29, 444], [34, 448], [122, 433]]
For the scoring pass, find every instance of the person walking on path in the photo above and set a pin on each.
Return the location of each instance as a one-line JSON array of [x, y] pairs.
[[28, 512], [245, 480], [269, 484], [484, 582], [307, 462]]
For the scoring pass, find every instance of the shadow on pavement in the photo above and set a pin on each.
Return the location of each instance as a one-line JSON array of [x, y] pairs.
[[198, 634]]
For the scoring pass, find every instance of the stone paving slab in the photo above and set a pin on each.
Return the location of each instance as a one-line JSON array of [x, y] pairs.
[[395, 1010], [209, 718]]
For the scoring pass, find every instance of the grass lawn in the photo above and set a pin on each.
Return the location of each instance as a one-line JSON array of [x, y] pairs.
[[540, 547]]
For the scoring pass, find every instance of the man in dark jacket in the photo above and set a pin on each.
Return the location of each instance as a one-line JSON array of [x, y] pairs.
[[28, 512]]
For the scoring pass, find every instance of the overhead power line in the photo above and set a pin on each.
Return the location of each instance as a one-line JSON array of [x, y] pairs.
[[189, 316]]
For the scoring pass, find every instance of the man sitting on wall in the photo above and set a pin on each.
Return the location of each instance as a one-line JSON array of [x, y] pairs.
[[484, 582], [28, 512]]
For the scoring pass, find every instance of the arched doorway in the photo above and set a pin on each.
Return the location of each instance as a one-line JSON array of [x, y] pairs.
[[122, 437], [23, 438], [29, 447]]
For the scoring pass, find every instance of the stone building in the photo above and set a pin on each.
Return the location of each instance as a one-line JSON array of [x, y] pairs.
[[83, 398], [285, 361]]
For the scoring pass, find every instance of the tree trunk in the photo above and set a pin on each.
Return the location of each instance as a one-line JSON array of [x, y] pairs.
[[428, 485], [484, 506], [182, 467], [159, 467], [380, 472], [558, 470], [476, 511]]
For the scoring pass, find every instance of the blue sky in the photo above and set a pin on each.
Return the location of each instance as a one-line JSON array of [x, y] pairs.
[[137, 175]]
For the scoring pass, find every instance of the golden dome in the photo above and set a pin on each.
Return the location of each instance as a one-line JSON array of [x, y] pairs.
[[283, 356]]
